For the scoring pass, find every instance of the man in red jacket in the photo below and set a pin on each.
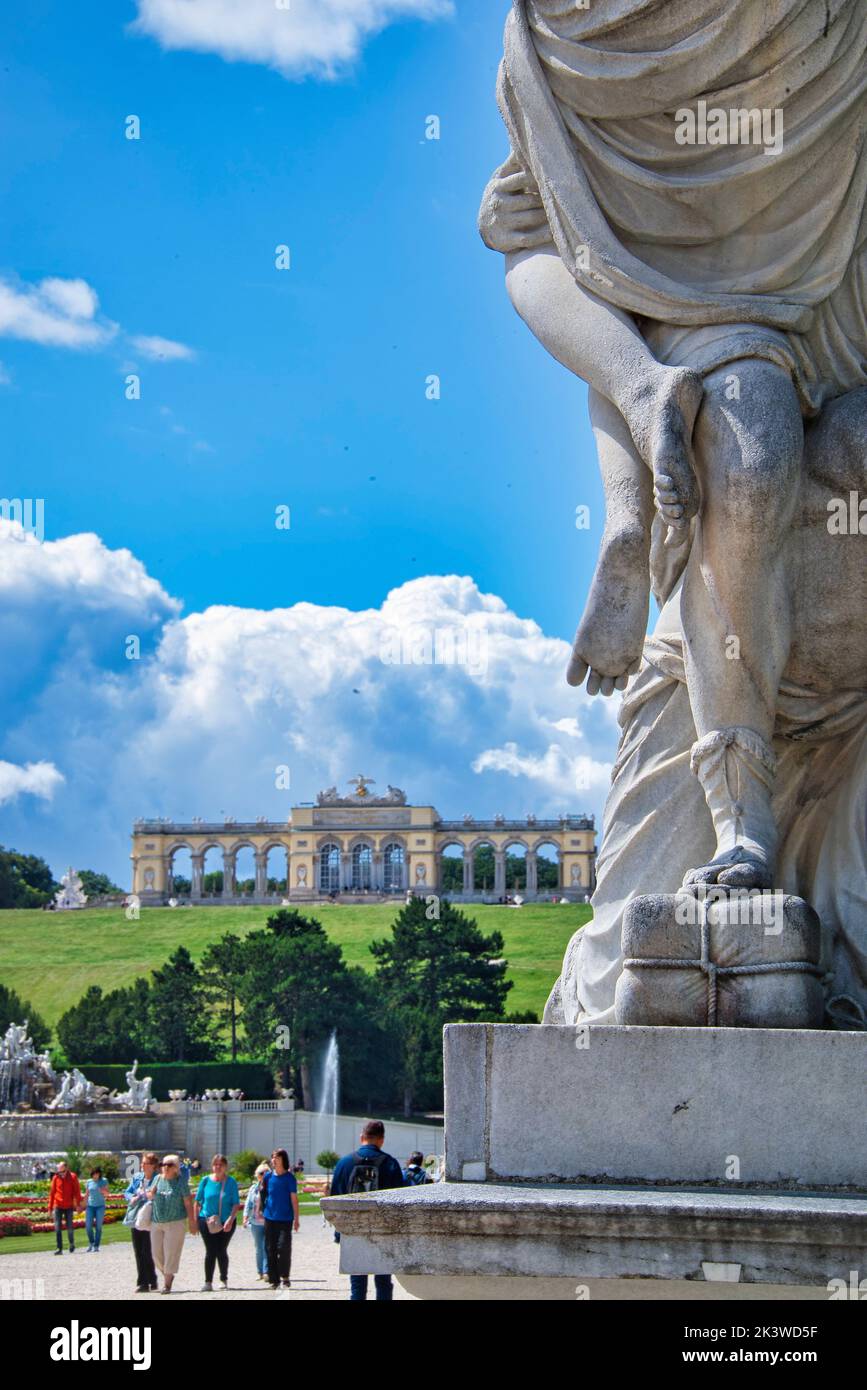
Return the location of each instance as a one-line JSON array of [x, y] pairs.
[[64, 1200]]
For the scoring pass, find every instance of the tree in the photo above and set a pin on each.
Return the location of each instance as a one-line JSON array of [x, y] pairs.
[[97, 885], [14, 1009], [294, 987], [222, 967], [436, 968], [183, 1026], [25, 880], [328, 1160], [109, 1027], [453, 874]]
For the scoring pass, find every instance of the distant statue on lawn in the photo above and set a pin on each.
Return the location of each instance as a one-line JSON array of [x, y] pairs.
[[71, 895]]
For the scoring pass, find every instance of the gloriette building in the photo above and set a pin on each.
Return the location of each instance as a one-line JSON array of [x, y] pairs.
[[362, 846]]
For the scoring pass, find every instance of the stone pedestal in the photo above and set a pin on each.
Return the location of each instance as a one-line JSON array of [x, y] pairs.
[[465, 1241], [727, 959], [632, 1162]]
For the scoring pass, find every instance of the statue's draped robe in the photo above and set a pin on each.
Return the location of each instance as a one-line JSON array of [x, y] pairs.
[[719, 252]]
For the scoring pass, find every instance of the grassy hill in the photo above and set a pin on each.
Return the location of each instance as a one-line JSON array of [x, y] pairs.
[[52, 959]]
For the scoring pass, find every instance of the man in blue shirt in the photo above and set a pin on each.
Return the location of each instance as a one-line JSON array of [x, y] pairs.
[[369, 1169]]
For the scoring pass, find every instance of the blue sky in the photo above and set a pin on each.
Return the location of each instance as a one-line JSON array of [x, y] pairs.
[[303, 387]]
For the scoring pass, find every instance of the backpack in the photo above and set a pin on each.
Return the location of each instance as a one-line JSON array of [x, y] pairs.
[[416, 1177], [365, 1172]]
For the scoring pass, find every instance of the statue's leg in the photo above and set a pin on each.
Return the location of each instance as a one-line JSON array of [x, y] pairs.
[[610, 635], [736, 607], [602, 345]]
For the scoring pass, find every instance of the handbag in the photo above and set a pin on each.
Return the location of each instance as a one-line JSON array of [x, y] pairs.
[[214, 1223], [144, 1217]]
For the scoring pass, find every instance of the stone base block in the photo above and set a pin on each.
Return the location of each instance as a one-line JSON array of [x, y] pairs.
[[755, 1107], [729, 960]]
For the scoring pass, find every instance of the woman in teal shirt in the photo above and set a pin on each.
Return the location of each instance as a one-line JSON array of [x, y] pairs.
[[171, 1199], [95, 1210], [218, 1202]]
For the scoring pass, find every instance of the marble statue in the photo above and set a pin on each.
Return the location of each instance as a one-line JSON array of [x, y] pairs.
[[138, 1094], [71, 894], [77, 1093], [682, 215], [395, 796]]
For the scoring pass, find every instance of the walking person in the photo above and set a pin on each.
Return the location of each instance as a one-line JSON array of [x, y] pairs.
[[369, 1169], [64, 1200], [136, 1196], [280, 1210], [94, 1212], [415, 1174], [217, 1205], [172, 1215], [254, 1221]]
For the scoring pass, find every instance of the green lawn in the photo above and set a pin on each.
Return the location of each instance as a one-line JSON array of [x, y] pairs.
[[51, 960]]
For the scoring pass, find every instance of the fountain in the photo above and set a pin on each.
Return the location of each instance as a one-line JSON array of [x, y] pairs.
[[329, 1090], [26, 1076]]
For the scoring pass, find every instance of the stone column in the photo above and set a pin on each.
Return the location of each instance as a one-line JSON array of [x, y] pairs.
[[345, 869], [500, 872], [532, 872], [469, 877], [169, 876], [261, 886], [377, 872], [228, 874], [198, 862]]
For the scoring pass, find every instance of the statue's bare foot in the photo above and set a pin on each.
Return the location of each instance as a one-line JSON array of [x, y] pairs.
[[610, 636], [661, 415], [736, 868]]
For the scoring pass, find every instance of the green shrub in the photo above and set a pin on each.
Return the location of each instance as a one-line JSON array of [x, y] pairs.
[[255, 1079], [244, 1164], [328, 1160], [76, 1158], [109, 1163]]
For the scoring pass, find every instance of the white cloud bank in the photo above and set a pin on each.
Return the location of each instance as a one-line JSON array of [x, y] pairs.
[[64, 313], [296, 37], [220, 701]]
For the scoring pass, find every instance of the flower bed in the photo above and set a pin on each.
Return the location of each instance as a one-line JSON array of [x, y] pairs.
[[15, 1225], [22, 1215]]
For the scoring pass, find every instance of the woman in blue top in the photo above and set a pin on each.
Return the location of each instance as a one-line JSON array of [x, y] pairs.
[[218, 1202], [280, 1210], [255, 1221], [94, 1212]]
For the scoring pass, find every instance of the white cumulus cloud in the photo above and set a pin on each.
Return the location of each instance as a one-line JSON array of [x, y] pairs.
[[39, 779], [55, 313], [296, 37], [442, 689], [64, 313], [162, 349]]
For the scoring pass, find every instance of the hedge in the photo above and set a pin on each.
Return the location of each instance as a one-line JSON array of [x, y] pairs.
[[253, 1078]]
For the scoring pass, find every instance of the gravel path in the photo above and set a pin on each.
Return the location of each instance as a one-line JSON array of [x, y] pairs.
[[111, 1273]]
